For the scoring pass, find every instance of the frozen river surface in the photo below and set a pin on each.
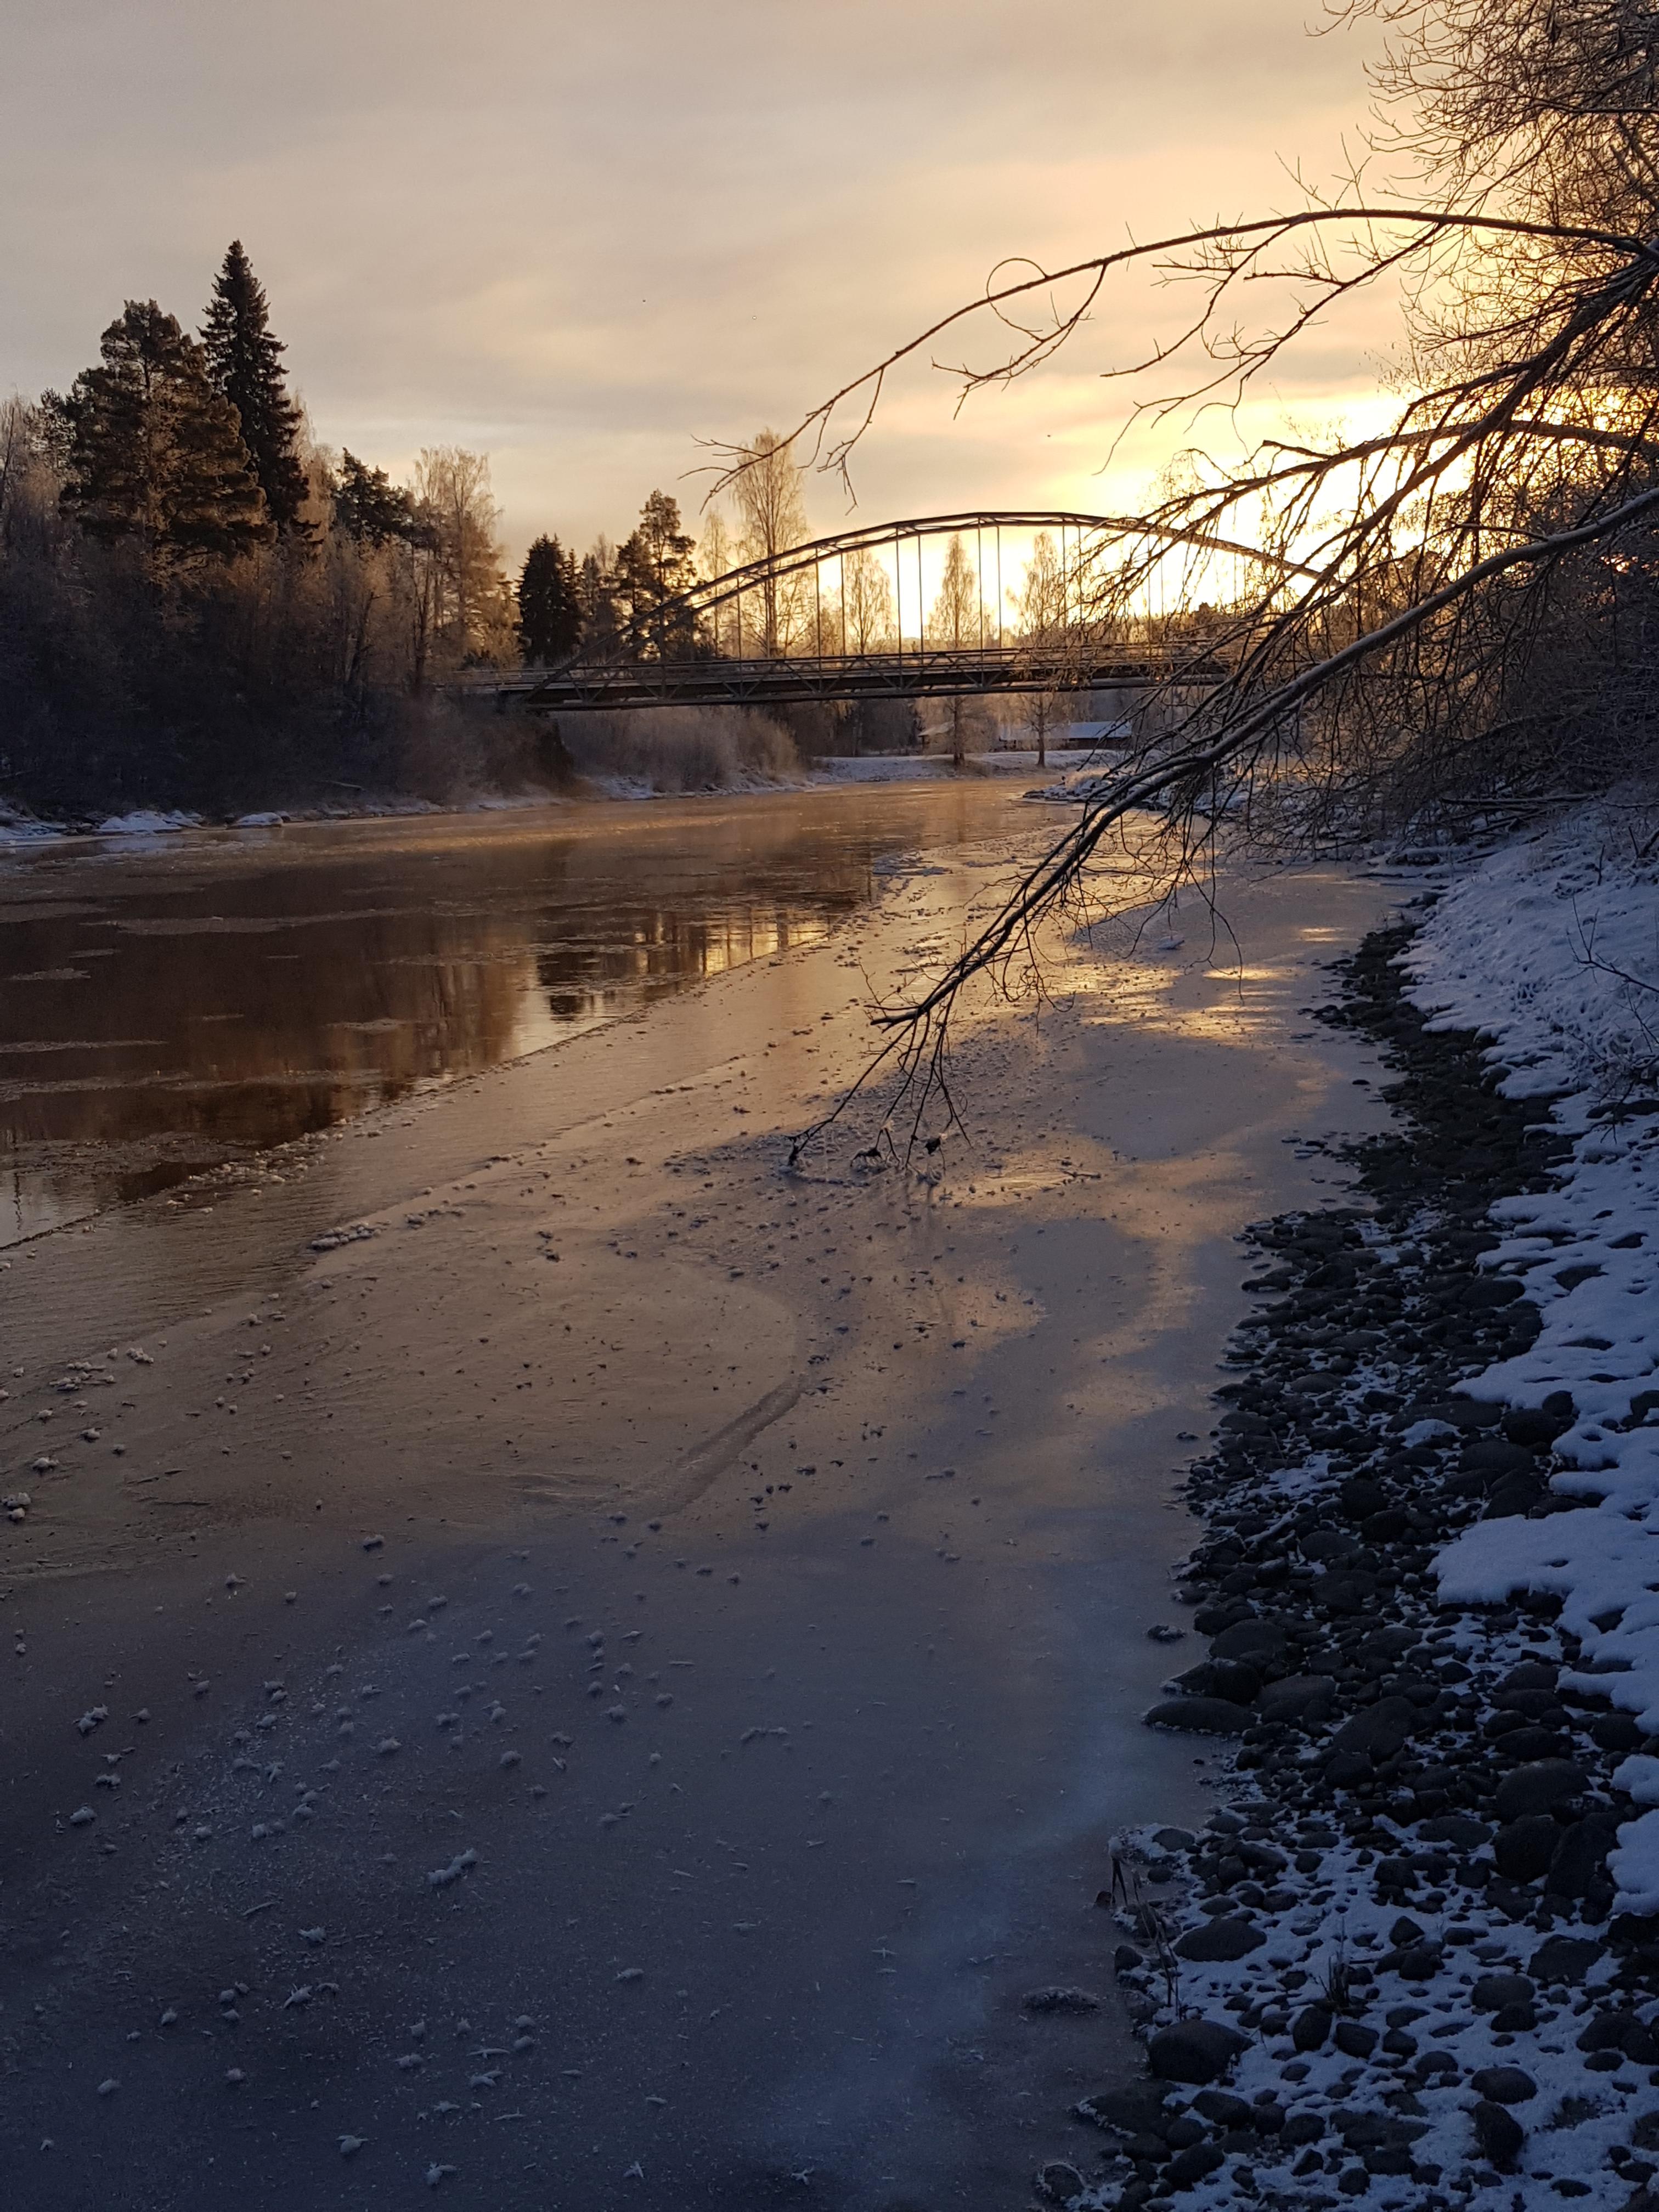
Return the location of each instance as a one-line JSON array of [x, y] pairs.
[[548, 1657]]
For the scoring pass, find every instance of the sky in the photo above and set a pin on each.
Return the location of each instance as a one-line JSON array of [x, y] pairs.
[[594, 238]]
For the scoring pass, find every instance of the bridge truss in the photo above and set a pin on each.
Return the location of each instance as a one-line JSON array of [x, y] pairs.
[[788, 628]]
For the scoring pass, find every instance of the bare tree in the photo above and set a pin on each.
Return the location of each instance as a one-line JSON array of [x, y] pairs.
[[1461, 611], [471, 601], [956, 620], [1042, 609], [868, 624], [772, 519]]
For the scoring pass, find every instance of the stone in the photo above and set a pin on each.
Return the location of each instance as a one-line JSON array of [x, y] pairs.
[[1197, 2050], [1221, 1678], [1494, 1456], [1058, 2000], [1354, 2040], [1302, 1700], [1493, 1991], [1323, 1545], [1346, 1769], [1617, 1732], [1382, 1730], [1301, 2128], [1226, 2110], [1523, 1850], [1132, 2107], [1189, 2168], [1498, 2134], [1220, 1940], [1621, 2032], [1359, 1499], [1311, 2027], [1581, 1856], [1253, 1641], [1200, 1717], [1505, 2085], [1455, 1828], [1418, 1962], [1537, 1787], [1564, 1959]]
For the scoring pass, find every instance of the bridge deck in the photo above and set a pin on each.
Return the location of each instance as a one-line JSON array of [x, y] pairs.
[[926, 673]]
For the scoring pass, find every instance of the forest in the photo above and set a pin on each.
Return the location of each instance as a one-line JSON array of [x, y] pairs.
[[202, 606]]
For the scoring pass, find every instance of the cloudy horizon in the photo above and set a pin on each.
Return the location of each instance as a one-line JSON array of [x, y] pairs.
[[585, 242]]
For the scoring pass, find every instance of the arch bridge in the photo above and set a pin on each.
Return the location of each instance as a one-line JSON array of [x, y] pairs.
[[860, 616]]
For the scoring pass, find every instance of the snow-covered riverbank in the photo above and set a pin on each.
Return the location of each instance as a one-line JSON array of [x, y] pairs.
[[1416, 1943]]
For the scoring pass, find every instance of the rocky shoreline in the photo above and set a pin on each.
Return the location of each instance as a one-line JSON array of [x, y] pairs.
[[1391, 1968]]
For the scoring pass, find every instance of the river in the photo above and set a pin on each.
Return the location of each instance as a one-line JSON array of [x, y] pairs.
[[550, 1655]]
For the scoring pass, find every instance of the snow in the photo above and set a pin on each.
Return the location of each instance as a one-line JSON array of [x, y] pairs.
[[148, 822], [1544, 948]]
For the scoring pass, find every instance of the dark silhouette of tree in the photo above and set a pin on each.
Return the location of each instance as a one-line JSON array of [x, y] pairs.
[[244, 362], [152, 452], [596, 597], [550, 614], [653, 567], [369, 507]]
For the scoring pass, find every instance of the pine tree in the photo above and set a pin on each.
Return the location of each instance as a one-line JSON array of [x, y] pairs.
[[244, 360], [549, 616], [653, 568], [152, 451], [369, 507]]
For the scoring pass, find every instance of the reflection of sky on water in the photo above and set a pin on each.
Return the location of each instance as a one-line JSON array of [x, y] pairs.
[[165, 1011]]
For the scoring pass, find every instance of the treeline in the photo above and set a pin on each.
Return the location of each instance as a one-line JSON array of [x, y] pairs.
[[201, 605]]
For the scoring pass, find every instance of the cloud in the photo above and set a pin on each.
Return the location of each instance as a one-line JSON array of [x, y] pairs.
[[585, 237]]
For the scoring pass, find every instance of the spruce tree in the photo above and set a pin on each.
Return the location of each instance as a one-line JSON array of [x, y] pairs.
[[152, 451], [369, 507], [244, 362], [653, 567], [550, 614]]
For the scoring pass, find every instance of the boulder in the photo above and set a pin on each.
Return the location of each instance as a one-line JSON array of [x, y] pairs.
[[1200, 1717], [1505, 2085], [1254, 1641], [1498, 2134], [1220, 1678], [1301, 1700], [1522, 1850], [1493, 1991], [1382, 1730], [1455, 1828], [1564, 1959], [1198, 2051], [1538, 1786], [1133, 2108], [1189, 2168], [1220, 1940], [1581, 1856]]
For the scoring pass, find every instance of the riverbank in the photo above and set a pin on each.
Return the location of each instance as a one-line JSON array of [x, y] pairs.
[[20, 828], [581, 1652], [1412, 1959]]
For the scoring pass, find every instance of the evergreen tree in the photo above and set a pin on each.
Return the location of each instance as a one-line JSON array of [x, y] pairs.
[[152, 451], [549, 616], [369, 507], [653, 568], [596, 601], [244, 360]]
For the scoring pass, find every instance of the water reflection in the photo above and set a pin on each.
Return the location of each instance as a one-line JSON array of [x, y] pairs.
[[165, 1011]]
